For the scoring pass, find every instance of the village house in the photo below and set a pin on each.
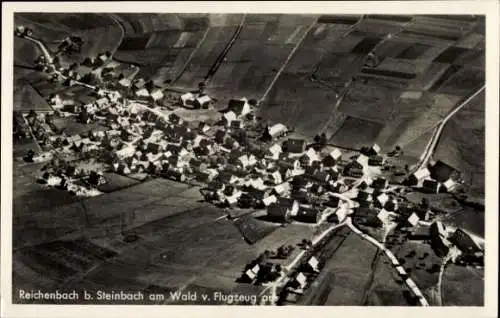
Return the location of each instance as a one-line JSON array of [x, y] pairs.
[[421, 232], [375, 160], [278, 213], [449, 185], [175, 119], [413, 219], [439, 238], [380, 183], [228, 118], [311, 156], [125, 83], [441, 171], [187, 99], [417, 178], [373, 150], [203, 101], [431, 186], [156, 95], [294, 146], [354, 169], [274, 152], [308, 215], [332, 158], [464, 242], [276, 131], [240, 107], [386, 217], [142, 93], [299, 283], [269, 200]]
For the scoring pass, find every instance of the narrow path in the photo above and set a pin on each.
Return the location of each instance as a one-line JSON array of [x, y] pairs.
[[120, 25], [283, 66], [193, 52], [220, 59], [409, 282], [429, 150]]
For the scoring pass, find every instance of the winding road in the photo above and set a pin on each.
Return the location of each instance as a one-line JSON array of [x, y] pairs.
[[431, 145]]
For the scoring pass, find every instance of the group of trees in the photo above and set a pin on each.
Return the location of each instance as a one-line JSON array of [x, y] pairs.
[[70, 45]]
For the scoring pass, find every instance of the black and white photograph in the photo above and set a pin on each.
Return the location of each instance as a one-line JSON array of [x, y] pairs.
[[248, 158]]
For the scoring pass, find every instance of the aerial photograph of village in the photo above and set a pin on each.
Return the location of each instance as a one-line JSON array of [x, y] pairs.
[[248, 159]]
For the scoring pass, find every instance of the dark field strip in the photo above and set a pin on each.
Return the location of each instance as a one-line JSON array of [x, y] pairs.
[[451, 70], [338, 19], [390, 17], [366, 45], [413, 52], [388, 73], [434, 35], [450, 54], [134, 43]]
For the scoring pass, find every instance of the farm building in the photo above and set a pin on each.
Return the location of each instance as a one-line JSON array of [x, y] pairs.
[[187, 99], [380, 183], [202, 101], [419, 176], [277, 130], [431, 186], [240, 107]]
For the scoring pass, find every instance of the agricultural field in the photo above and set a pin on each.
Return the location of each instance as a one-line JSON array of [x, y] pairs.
[[462, 142]]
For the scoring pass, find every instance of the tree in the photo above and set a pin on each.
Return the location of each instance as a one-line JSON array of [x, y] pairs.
[[317, 139], [323, 139], [201, 87], [424, 203], [398, 148]]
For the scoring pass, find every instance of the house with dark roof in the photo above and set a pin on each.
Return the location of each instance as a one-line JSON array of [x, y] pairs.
[[431, 186], [354, 169], [174, 119], [380, 183], [308, 215], [240, 107], [464, 242], [294, 145], [278, 213], [441, 171], [375, 160]]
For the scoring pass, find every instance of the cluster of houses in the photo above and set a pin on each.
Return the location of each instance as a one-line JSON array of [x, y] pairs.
[[23, 31], [438, 178], [460, 246], [268, 267]]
